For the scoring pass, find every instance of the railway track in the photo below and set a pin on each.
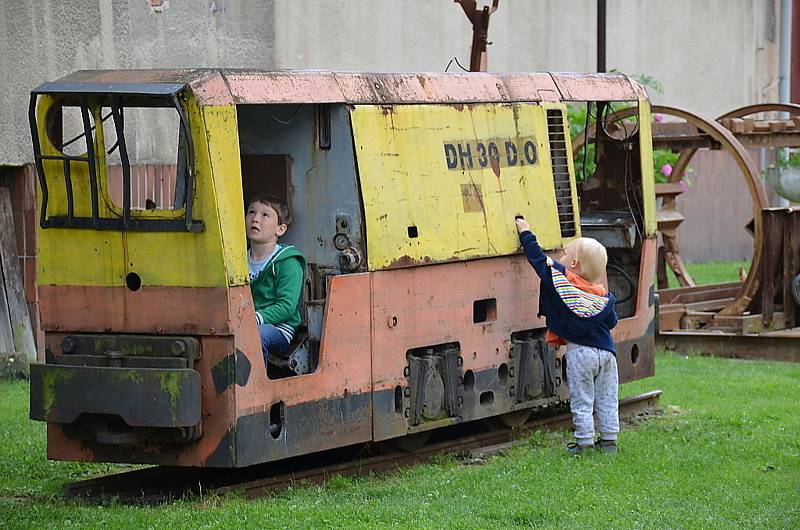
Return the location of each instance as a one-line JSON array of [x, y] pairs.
[[159, 484]]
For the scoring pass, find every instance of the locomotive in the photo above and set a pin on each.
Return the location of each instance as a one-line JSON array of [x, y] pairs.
[[419, 310]]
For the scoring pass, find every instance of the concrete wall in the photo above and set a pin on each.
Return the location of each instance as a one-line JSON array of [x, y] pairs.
[[710, 56]]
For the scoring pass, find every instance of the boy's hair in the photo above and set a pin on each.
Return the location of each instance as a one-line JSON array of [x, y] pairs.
[[592, 256], [277, 204]]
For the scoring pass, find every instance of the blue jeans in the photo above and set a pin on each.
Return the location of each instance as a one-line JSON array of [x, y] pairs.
[[272, 340]]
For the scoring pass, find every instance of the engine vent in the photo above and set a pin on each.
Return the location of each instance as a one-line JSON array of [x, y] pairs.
[[558, 155]]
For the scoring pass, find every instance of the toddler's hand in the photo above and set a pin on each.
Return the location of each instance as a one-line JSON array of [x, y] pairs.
[[522, 224]]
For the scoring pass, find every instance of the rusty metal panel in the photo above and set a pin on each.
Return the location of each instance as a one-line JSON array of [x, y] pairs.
[[648, 179], [417, 307], [595, 87], [142, 397], [283, 87], [327, 408], [443, 182], [222, 87], [378, 88], [74, 308]]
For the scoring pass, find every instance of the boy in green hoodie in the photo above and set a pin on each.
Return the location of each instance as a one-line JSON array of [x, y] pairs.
[[276, 273]]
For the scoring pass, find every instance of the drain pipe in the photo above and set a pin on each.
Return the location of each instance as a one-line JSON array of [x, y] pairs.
[[785, 65]]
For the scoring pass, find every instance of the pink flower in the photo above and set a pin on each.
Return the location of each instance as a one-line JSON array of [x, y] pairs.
[[666, 170], [682, 185], [658, 118]]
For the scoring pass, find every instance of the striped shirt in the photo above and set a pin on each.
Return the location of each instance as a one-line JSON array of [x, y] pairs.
[[580, 302]]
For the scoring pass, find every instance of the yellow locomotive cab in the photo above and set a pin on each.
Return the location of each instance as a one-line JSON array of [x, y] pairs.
[[418, 309]]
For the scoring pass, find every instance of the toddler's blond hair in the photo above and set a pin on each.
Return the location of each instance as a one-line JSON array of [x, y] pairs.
[[592, 256]]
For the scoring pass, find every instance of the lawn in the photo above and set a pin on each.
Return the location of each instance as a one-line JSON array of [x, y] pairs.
[[724, 455], [711, 272]]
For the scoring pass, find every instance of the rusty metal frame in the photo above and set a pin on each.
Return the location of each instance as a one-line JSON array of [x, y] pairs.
[[480, 32], [748, 169]]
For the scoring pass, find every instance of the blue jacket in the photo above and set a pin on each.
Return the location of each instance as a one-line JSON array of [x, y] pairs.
[[572, 314]]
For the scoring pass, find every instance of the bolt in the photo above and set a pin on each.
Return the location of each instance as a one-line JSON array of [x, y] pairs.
[[460, 401], [511, 391], [114, 359], [68, 345], [407, 413], [459, 361], [407, 392], [177, 348], [407, 371]]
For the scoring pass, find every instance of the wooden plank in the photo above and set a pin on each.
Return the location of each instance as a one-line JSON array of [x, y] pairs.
[[702, 295], [709, 305], [791, 265], [740, 324], [669, 318], [14, 290], [6, 336], [772, 251]]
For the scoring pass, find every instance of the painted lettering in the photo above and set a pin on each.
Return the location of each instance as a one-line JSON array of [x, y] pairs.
[[465, 153], [450, 156], [494, 153], [530, 152], [511, 154], [482, 160]]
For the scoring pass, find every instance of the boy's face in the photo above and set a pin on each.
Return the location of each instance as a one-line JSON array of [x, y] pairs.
[[262, 224]]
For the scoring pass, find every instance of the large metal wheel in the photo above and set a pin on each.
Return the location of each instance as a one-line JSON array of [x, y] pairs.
[[746, 166], [509, 419], [409, 443]]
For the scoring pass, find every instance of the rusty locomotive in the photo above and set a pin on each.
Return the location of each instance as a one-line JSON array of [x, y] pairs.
[[418, 309]]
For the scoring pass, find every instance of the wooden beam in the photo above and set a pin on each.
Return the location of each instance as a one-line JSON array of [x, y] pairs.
[[6, 336], [12, 279]]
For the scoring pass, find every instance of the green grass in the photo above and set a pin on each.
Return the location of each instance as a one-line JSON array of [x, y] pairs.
[[712, 272], [726, 454]]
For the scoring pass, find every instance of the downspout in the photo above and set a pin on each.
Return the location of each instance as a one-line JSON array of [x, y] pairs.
[[785, 64]]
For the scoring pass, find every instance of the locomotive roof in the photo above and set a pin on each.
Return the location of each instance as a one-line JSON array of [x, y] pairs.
[[226, 86]]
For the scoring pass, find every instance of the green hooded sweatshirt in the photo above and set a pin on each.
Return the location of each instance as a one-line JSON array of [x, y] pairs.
[[276, 290]]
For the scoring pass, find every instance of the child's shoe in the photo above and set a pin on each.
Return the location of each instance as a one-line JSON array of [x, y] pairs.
[[576, 448], [607, 446]]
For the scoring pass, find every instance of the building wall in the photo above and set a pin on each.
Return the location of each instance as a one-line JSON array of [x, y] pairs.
[[710, 56]]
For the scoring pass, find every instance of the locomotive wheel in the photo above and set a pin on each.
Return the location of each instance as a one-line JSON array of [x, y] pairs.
[[509, 419], [410, 442]]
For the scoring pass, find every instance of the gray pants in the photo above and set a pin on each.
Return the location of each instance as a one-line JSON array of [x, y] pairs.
[[593, 386]]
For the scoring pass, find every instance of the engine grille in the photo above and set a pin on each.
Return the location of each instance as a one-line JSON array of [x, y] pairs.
[[556, 128]]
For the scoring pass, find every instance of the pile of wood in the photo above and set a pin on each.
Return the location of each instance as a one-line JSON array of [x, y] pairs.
[[751, 125], [17, 347]]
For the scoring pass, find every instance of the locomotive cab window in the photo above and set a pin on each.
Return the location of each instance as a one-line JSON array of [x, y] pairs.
[[157, 158], [114, 161]]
